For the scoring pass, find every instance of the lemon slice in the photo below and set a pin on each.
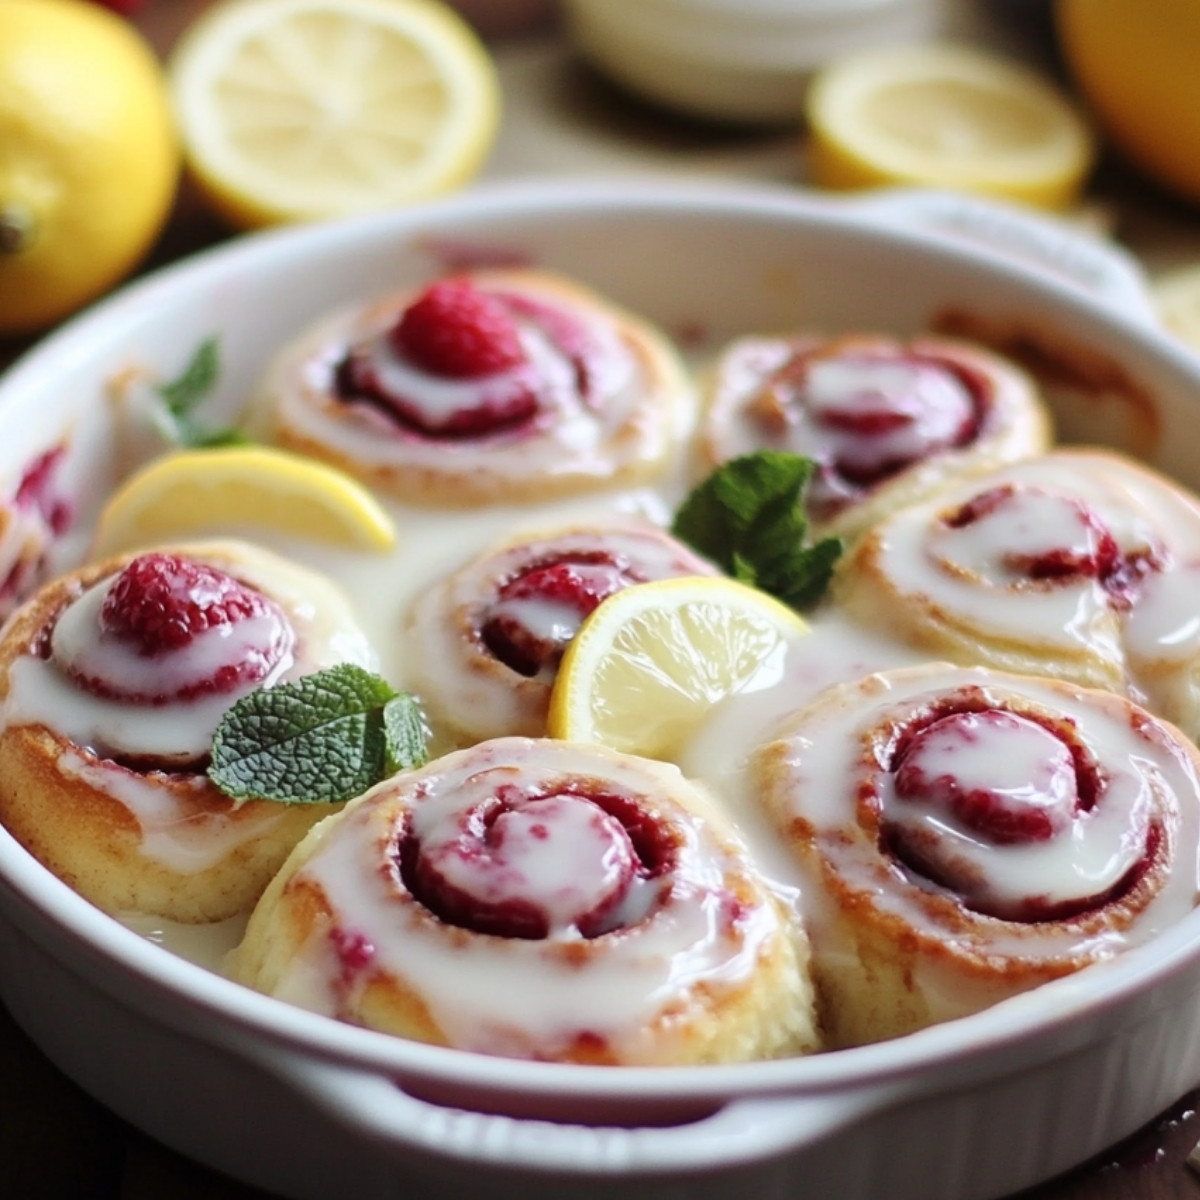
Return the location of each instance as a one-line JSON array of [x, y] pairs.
[[294, 110], [654, 658], [197, 491], [938, 115]]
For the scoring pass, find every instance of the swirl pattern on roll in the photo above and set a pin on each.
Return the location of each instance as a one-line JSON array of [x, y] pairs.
[[484, 645], [966, 835], [538, 899], [113, 679], [887, 422], [1079, 564], [489, 386]]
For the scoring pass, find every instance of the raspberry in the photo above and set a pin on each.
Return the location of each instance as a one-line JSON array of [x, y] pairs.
[[879, 414], [539, 611], [455, 330], [579, 585], [150, 621], [161, 602]]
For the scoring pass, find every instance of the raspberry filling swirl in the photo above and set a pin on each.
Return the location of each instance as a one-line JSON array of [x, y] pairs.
[[539, 610], [462, 362], [1011, 812], [168, 629], [30, 522], [574, 858], [1019, 534], [865, 415]]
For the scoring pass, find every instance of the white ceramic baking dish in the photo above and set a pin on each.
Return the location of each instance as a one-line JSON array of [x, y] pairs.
[[320, 1111]]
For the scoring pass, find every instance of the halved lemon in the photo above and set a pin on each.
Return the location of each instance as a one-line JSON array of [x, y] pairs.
[[653, 659], [296, 110], [946, 116], [241, 487]]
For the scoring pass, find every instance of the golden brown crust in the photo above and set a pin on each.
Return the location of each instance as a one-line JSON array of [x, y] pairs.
[[304, 939], [192, 855], [893, 952], [300, 412], [1015, 421]]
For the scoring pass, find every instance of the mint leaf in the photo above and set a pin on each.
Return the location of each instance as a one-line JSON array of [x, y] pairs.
[[198, 379], [326, 737], [182, 396], [748, 518]]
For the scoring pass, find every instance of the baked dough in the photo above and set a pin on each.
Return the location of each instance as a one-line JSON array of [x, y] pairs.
[[598, 397], [887, 422], [483, 646], [103, 749], [966, 835], [543, 900]]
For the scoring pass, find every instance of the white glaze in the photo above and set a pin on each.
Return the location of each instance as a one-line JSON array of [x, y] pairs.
[[501, 994], [434, 541], [964, 573], [40, 693], [824, 768], [635, 407], [447, 661], [1088, 853]]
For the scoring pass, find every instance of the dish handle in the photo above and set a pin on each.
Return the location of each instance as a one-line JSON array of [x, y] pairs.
[[1100, 268], [740, 1131]]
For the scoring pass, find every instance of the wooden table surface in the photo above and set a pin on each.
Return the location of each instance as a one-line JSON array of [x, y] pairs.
[[58, 1144]]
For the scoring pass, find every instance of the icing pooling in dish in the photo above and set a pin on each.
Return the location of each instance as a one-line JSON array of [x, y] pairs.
[[383, 589]]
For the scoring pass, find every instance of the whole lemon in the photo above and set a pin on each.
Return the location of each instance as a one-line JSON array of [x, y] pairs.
[[89, 161], [1137, 63]]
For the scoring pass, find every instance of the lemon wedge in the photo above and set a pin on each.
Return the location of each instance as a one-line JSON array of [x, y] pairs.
[[654, 658], [946, 116], [293, 110], [203, 491]]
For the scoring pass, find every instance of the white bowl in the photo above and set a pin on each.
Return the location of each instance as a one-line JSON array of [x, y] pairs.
[[736, 60], [317, 1110]]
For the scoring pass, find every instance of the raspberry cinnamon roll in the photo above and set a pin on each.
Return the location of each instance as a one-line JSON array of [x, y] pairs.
[[887, 422], [498, 385], [112, 681], [541, 900], [32, 520], [967, 835], [1063, 565], [484, 645]]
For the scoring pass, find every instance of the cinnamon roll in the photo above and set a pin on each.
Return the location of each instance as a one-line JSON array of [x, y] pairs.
[[483, 646], [488, 386], [887, 422], [1073, 565], [542, 900], [32, 520], [112, 680], [967, 835]]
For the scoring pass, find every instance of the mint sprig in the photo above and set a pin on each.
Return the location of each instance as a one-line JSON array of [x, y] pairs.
[[181, 398], [748, 518], [324, 738]]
